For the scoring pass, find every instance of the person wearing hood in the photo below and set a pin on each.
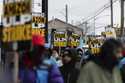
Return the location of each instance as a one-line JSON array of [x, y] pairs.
[[68, 70], [85, 58], [104, 67]]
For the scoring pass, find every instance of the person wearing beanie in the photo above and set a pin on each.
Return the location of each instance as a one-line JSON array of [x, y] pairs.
[[68, 70]]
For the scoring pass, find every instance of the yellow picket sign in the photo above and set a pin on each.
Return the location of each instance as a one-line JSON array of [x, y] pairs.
[[95, 50], [17, 33], [20, 33], [17, 8]]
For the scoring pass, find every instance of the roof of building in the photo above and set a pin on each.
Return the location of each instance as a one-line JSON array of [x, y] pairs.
[[73, 26]]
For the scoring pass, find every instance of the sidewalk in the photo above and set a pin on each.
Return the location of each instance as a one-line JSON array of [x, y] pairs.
[[5, 74]]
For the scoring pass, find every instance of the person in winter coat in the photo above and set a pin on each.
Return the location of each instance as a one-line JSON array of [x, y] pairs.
[[68, 70], [39, 68], [122, 63], [56, 58], [122, 67], [103, 68]]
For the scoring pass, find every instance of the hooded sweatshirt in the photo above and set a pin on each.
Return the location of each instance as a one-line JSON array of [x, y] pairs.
[[100, 70]]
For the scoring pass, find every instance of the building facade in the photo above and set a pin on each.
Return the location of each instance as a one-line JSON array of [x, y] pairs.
[[60, 25]]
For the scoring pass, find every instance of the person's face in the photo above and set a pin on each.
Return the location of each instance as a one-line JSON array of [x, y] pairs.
[[118, 52], [55, 54], [67, 59]]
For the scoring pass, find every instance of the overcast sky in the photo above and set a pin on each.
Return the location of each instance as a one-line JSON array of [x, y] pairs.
[[77, 8], [80, 9]]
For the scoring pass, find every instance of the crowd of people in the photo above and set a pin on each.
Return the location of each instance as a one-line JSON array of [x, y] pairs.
[[42, 64]]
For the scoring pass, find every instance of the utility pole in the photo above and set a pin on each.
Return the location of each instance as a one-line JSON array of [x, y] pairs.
[[86, 30], [122, 18], [66, 13], [1, 27], [66, 17], [111, 4], [94, 26], [46, 12]]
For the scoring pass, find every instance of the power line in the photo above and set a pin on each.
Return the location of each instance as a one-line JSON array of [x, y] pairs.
[[106, 6]]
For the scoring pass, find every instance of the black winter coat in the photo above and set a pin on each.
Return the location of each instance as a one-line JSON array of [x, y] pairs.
[[123, 73], [69, 73]]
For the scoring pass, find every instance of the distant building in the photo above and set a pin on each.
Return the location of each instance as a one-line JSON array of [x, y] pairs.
[[118, 31], [87, 28], [60, 25]]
